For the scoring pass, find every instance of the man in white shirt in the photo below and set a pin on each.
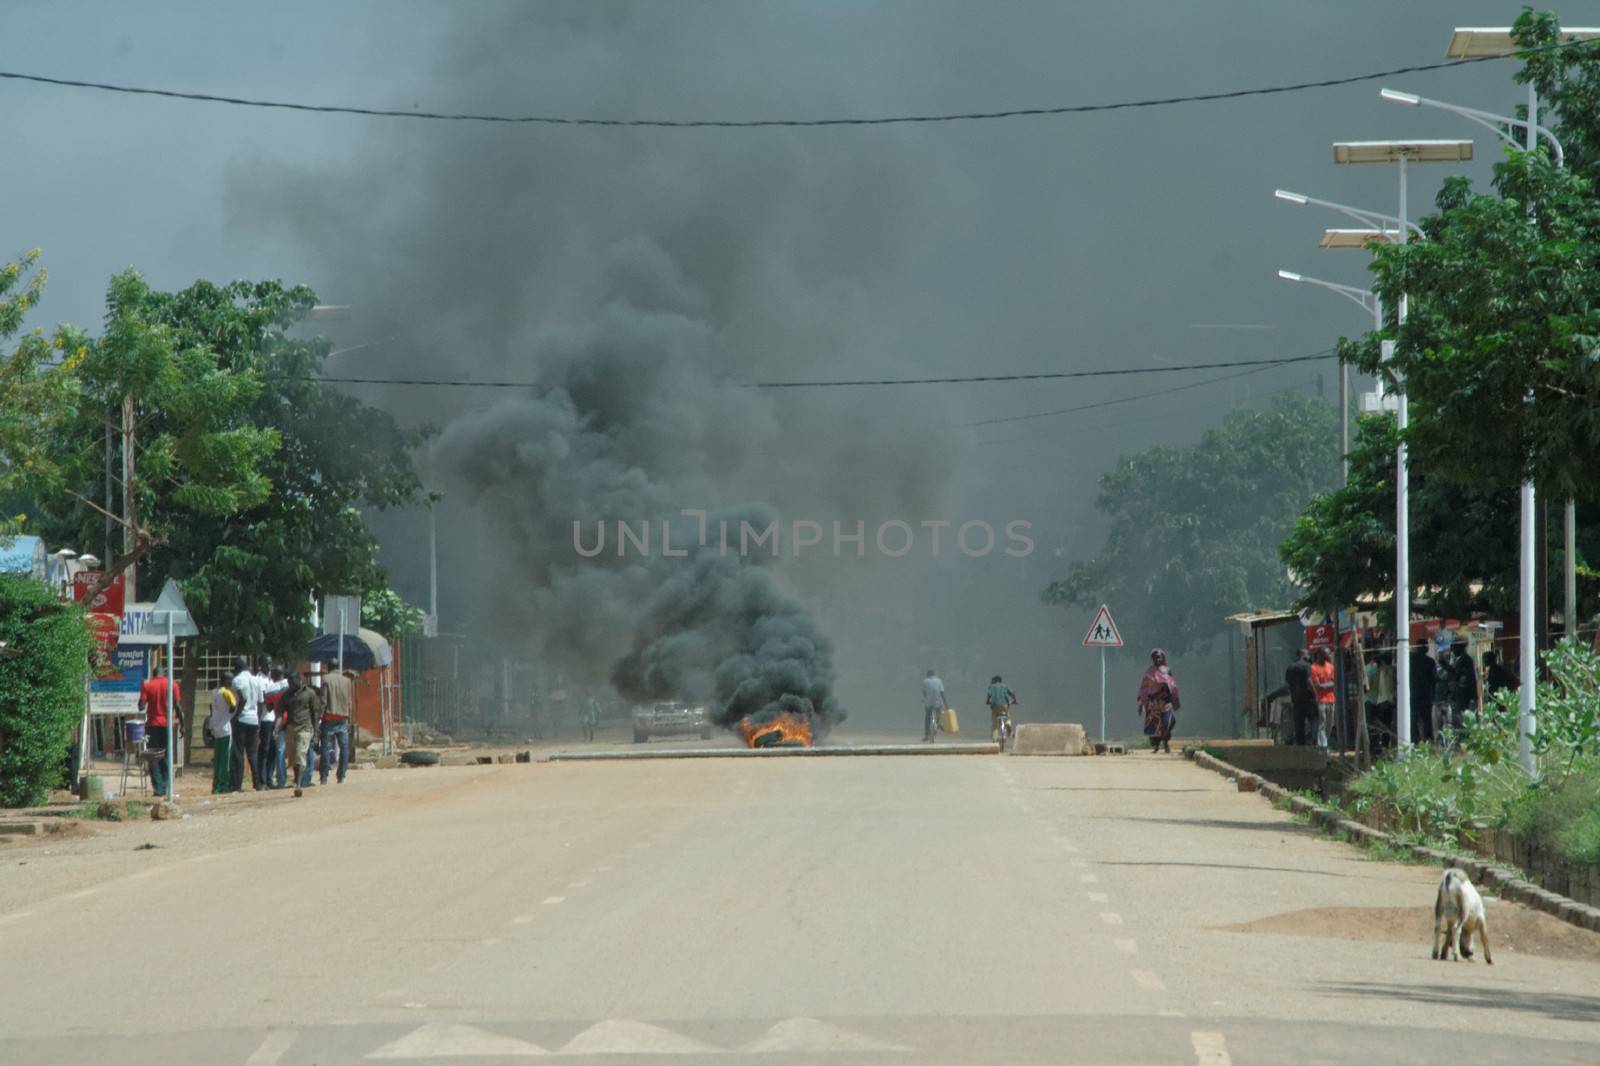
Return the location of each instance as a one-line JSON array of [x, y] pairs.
[[269, 750], [933, 702], [247, 725]]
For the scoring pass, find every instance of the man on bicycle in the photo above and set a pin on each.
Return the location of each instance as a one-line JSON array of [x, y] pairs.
[[1000, 698]]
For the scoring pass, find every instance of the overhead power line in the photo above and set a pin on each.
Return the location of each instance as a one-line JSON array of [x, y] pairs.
[[1135, 398], [467, 383], [702, 123]]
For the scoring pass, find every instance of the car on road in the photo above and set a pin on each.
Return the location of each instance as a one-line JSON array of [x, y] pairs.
[[670, 719]]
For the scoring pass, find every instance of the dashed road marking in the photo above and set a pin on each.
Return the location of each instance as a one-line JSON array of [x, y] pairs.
[[577, 884], [82, 893], [1088, 879], [272, 1048], [1148, 981], [522, 919], [446, 1040], [1099, 897], [1127, 947], [601, 869], [1080, 863], [550, 901], [808, 1034], [619, 1037], [1111, 917], [1210, 1049]]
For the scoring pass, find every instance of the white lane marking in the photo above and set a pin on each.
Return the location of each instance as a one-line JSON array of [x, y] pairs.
[[1079, 863], [1111, 917], [1099, 897], [642, 844], [577, 884], [522, 919], [446, 1040], [272, 1048], [14, 916], [619, 1037], [82, 893], [808, 1034], [1148, 981], [1127, 947], [601, 869], [1088, 879], [1171, 1013], [550, 901], [1210, 1049]]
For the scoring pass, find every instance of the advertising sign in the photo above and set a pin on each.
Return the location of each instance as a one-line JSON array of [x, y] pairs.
[[118, 691], [110, 599]]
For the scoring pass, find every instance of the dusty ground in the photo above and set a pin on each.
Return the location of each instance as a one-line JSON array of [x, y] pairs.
[[831, 911]]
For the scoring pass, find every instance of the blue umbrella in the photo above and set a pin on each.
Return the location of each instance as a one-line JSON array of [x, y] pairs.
[[363, 649]]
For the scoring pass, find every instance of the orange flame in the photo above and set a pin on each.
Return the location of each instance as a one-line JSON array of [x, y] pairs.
[[786, 729]]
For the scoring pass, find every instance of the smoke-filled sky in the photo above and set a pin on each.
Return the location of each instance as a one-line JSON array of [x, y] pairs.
[[640, 276]]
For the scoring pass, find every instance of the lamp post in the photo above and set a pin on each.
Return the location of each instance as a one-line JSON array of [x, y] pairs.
[[1402, 153], [1385, 228], [1464, 43], [1370, 304]]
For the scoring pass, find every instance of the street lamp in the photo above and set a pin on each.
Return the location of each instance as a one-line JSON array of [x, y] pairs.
[[1402, 153], [1370, 304], [1357, 238], [1464, 41], [1375, 220]]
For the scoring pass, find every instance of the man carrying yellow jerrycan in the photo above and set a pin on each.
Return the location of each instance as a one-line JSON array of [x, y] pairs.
[[936, 711]]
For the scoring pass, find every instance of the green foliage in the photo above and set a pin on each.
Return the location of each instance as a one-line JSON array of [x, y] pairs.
[[41, 689], [1566, 716], [1463, 538], [1563, 816], [1194, 530], [383, 611]]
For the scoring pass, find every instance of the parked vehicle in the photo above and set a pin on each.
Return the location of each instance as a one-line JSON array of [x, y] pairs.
[[670, 719]]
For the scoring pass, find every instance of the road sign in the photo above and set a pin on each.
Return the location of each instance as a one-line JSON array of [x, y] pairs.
[[172, 616], [1102, 631]]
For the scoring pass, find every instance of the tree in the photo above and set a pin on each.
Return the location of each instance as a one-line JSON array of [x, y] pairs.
[[189, 454], [42, 674], [1194, 531], [384, 612], [1500, 352], [1463, 538]]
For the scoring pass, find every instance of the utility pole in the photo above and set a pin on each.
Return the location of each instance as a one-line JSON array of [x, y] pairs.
[[110, 549], [130, 512]]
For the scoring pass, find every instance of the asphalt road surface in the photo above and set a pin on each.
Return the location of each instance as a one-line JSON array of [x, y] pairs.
[[960, 909]]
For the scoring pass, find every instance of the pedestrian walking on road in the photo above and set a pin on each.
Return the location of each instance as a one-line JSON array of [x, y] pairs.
[[224, 706], [591, 717], [302, 710], [1158, 701], [1302, 698], [933, 702], [338, 719], [999, 699]]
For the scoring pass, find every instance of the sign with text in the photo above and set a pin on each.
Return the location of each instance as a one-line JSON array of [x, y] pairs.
[[1319, 636], [117, 692], [110, 600]]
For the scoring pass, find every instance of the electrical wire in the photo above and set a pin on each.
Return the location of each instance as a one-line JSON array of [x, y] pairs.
[[880, 120], [1122, 399], [463, 383]]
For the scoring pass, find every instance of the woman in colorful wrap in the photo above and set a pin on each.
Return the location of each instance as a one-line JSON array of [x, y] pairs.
[[1158, 701]]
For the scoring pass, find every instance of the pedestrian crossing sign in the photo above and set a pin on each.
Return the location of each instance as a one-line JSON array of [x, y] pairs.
[[1102, 631]]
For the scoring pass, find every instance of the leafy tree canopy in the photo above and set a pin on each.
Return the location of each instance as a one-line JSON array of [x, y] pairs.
[[1194, 530]]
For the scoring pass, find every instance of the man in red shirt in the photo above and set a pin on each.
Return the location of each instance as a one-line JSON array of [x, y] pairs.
[[156, 707], [1322, 685]]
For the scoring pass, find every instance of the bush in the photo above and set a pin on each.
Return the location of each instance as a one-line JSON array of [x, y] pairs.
[[1562, 817], [41, 689]]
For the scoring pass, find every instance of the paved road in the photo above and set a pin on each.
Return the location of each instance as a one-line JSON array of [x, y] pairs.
[[834, 911]]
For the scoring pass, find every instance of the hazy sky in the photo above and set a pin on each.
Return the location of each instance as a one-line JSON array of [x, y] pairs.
[[1127, 239]]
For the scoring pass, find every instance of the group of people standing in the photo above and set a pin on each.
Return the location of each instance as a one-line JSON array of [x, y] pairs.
[[271, 721]]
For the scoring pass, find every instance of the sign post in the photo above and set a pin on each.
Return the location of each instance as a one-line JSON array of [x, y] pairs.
[[1102, 634], [179, 623]]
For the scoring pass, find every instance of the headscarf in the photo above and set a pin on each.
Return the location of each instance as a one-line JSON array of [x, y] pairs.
[[1157, 686]]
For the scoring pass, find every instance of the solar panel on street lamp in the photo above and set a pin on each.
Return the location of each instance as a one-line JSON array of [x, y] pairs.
[[1394, 151]]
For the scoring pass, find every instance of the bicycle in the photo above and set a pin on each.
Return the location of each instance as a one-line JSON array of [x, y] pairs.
[[1002, 730]]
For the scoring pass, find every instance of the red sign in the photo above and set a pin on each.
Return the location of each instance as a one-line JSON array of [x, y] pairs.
[[106, 629], [1319, 636], [109, 601]]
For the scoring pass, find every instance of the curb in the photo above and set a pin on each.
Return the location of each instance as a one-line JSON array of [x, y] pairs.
[[913, 750], [1506, 881]]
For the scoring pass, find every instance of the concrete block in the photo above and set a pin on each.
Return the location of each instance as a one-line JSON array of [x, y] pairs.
[[505, 760], [524, 756], [13, 827], [162, 811], [1249, 783], [1050, 738], [1591, 919], [1571, 912], [386, 762], [455, 758]]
